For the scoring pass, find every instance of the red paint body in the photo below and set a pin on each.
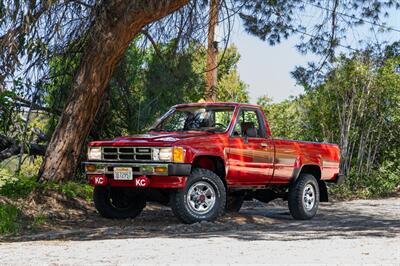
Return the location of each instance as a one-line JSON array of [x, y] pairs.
[[260, 162]]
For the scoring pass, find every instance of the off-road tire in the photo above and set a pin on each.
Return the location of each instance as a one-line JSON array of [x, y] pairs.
[[296, 203], [179, 198], [118, 202]]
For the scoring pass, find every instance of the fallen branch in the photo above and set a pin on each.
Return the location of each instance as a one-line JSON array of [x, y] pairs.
[[9, 147]]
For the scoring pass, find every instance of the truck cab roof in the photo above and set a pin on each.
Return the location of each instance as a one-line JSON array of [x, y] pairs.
[[235, 104]]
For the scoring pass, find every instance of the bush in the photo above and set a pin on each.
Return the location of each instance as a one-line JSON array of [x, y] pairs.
[[18, 187], [384, 181], [381, 182], [9, 219]]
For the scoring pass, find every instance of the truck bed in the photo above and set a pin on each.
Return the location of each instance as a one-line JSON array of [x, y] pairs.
[[291, 154]]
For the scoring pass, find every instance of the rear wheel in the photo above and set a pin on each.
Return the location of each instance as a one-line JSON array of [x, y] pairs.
[[118, 202], [304, 197], [203, 198]]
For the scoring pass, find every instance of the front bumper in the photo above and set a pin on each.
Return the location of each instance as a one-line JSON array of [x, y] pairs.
[[139, 169]]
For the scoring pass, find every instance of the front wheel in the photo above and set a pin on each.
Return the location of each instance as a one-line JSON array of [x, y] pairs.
[[118, 202], [304, 197], [203, 198]]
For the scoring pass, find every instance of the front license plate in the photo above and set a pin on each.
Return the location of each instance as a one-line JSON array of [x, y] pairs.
[[123, 173]]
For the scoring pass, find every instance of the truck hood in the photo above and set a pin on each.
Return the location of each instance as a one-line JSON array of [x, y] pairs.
[[156, 139]]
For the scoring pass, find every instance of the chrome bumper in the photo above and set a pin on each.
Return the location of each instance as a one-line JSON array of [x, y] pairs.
[[172, 169]]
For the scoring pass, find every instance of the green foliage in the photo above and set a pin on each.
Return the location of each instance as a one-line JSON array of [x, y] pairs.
[[231, 89], [9, 219], [6, 111], [283, 118], [357, 107], [384, 180], [146, 83], [273, 21], [22, 186], [74, 190], [39, 220], [10, 121], [18, 187]]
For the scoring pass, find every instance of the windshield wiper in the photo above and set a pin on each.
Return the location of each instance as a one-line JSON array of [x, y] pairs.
[[212, 130], [202, 129], [157, 129]]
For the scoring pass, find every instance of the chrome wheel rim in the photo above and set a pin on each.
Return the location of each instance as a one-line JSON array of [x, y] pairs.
[[309, 197], [201, 197]]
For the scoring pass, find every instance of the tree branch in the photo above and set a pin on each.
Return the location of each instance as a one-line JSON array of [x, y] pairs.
[[35, 106], [9, 147], [153, 43]]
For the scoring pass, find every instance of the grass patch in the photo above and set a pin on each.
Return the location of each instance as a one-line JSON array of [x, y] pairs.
[[39, 220], [10, 217], [27, 205], [22, 186], [74, 189]]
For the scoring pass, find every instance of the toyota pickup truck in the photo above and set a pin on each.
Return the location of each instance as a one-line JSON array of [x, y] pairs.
[[203, 159]]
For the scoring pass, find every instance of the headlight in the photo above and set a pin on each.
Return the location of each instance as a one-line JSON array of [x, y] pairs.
[[94, 153], [175, 154], [165, 154]]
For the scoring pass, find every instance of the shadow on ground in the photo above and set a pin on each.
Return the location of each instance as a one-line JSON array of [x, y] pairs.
[[256, 221]]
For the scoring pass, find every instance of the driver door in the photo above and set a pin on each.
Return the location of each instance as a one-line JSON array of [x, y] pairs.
[[250, 153]]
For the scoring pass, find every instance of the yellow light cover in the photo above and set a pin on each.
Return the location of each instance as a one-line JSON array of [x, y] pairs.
[[159, 169], [90, 168], [178, 155]]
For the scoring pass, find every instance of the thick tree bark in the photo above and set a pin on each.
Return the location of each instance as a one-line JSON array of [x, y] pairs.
[[212, 49], [115, 25]]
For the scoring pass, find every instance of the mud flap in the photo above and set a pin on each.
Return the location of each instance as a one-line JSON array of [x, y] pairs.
[[323, 191]]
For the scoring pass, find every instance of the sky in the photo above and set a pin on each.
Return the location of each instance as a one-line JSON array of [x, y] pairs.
[[266, 69]]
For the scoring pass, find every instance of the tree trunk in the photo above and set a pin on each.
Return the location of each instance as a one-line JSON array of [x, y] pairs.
[[117, 22], [212, 49]]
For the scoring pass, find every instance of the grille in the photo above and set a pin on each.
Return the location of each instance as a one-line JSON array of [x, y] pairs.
[[127, 153]]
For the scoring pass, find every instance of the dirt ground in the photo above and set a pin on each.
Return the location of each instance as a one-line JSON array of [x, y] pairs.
[[352, 232]]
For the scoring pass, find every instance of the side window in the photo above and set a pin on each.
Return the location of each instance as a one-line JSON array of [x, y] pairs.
[[248, 123]]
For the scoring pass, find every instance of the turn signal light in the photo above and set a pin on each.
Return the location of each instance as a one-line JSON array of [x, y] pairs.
[[159, 169], [90, 168], [178, 155]]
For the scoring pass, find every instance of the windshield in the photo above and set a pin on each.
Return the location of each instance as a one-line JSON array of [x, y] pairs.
[[203, 118]]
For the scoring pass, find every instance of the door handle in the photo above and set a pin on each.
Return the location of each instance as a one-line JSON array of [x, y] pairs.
[[264, 145]]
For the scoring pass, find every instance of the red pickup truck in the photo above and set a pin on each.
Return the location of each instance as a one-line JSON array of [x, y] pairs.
[[205, 158]]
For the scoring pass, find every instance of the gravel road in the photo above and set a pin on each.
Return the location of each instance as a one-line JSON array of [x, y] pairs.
[[353, 232]]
